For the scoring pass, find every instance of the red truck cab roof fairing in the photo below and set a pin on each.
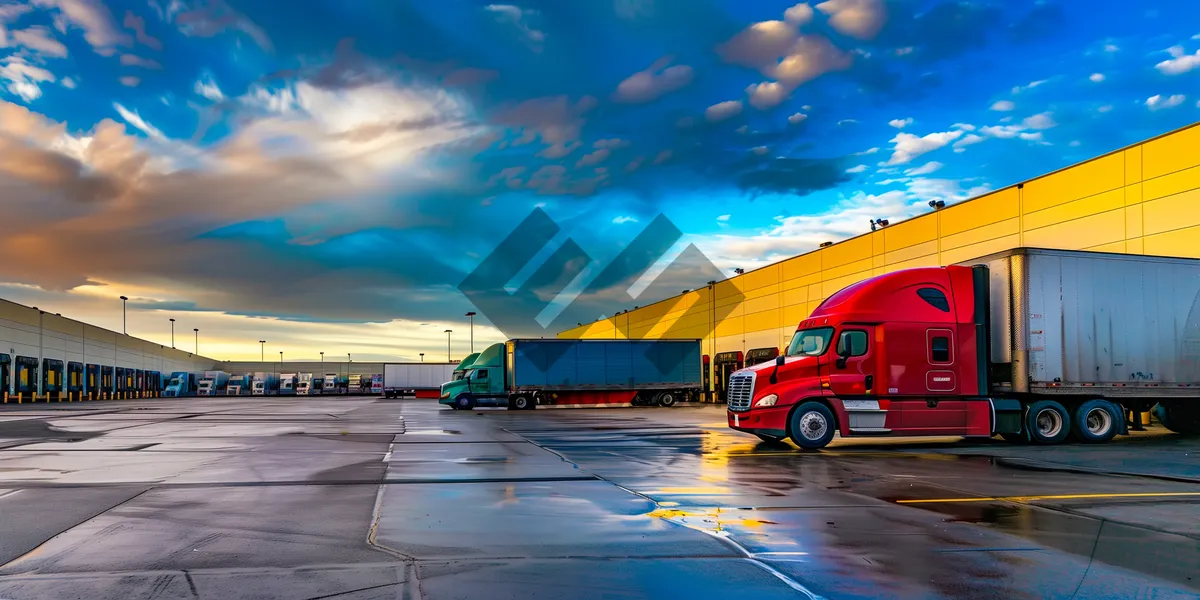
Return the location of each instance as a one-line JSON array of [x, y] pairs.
[[910, 295]]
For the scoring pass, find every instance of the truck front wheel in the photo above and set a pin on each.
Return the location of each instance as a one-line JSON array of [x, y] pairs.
[[1047, 422], [1096, 421], [464, 402], [811, 426]]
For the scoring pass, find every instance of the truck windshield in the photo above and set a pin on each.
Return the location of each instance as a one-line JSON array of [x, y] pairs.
[[176, 382], [810, 342]]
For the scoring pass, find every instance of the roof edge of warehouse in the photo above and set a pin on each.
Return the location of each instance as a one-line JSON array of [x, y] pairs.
[[1018, 185], [116, 333]]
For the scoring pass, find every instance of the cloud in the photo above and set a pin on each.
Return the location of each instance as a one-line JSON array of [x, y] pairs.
[[1004, 105], [136, 120], [778, 51], [209, 18], [131, 60], [857, 169], [1002, 131], [653, 83], [555, 121], [624, 219], [797, 118], [23, 78], [925, 169], [1096, 77], [1111, 48], [1179, 63], [1157, 102], [68, 83], [906, 146], [900, 123], [971, 138], [138, 25], [130, 81], [1033, 84], [964, 126], [208, 88], [860, 19], [1033, 136], [760, 150], [723, 110], [40, 40], [99, 29], [593, 158], [518, 17], [798, 15], [867, 151], [1040, 121], [723, 218], [613, 143]]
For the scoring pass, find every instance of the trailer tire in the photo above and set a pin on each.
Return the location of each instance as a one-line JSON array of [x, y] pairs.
[[1047, 422], [811, 426], [1181, 420], [464, 402], [665, 399], [1096, 422], [520, 402]]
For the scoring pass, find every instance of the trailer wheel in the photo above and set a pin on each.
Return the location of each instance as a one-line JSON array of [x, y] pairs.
[[811, 426], [665, 399], [1181, 420], [1047, 422], [1096, 421], [521, 402]]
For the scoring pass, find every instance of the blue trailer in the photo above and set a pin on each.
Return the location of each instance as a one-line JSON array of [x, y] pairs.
[[525, 373]]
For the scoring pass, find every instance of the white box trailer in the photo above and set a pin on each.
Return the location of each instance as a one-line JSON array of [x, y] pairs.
[[304, 383], [400, 379]]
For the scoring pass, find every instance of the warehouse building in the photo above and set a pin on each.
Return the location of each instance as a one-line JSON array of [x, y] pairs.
[[1143, 199]]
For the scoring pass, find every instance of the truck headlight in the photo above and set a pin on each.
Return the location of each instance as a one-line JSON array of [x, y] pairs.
[[768, 400]]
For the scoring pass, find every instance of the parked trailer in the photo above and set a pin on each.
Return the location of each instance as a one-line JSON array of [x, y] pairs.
[[213, 383], [1033, 345], [181, 384], [239, 385], [304, 384], [287, 384], [265, 384], [411, 379], [521, 374]]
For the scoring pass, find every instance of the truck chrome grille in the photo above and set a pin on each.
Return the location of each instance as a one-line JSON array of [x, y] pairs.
[[741, 390]]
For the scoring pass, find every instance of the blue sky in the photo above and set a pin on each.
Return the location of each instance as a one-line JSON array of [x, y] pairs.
[[327, 173]]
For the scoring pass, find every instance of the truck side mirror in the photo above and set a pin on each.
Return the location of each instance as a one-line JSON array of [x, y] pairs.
[[779, 360], [843, 351]]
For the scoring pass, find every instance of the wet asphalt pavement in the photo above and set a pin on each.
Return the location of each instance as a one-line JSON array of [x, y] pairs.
[[362, 498]]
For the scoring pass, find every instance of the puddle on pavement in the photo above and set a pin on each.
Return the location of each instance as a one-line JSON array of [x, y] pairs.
[[37, 429]]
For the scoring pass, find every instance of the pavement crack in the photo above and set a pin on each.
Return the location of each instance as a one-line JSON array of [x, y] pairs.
[[356, 590]]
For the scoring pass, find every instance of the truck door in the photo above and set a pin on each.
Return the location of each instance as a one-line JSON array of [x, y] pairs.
[[939, 412], [480, 382], [852, 368]]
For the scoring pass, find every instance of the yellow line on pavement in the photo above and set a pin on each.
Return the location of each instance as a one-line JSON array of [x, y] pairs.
[[1052, 497]]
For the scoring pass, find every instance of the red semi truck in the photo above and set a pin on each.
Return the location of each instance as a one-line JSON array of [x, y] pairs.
[[1030, 344]]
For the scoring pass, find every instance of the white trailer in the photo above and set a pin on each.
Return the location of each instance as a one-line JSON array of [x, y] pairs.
[[265, 384], [213, 383], [402, 379], [287, 384], [304, 384]]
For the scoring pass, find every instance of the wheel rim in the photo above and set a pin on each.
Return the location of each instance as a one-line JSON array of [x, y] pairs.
[[1099, 421], [521, 402], [1049, 422], [667, 400], [813, 426]]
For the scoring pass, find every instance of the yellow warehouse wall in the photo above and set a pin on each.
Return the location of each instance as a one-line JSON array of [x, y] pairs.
[[1144, 199]]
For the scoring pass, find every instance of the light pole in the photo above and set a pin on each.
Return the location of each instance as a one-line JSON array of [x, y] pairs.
[[322, 363], [422, 357], [172, 334], [197, 332], [124, 329], [262, 350], [471, 315], [447, 332]]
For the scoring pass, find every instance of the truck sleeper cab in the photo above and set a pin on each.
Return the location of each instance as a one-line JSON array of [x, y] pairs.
[[981, 350]]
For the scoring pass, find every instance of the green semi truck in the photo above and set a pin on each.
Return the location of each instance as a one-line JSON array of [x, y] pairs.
[[522, 374]]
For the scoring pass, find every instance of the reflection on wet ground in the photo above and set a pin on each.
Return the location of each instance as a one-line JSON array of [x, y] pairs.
[[364, 498]]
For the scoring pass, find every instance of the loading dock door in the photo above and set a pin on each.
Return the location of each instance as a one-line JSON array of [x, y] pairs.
[[726, 363]]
